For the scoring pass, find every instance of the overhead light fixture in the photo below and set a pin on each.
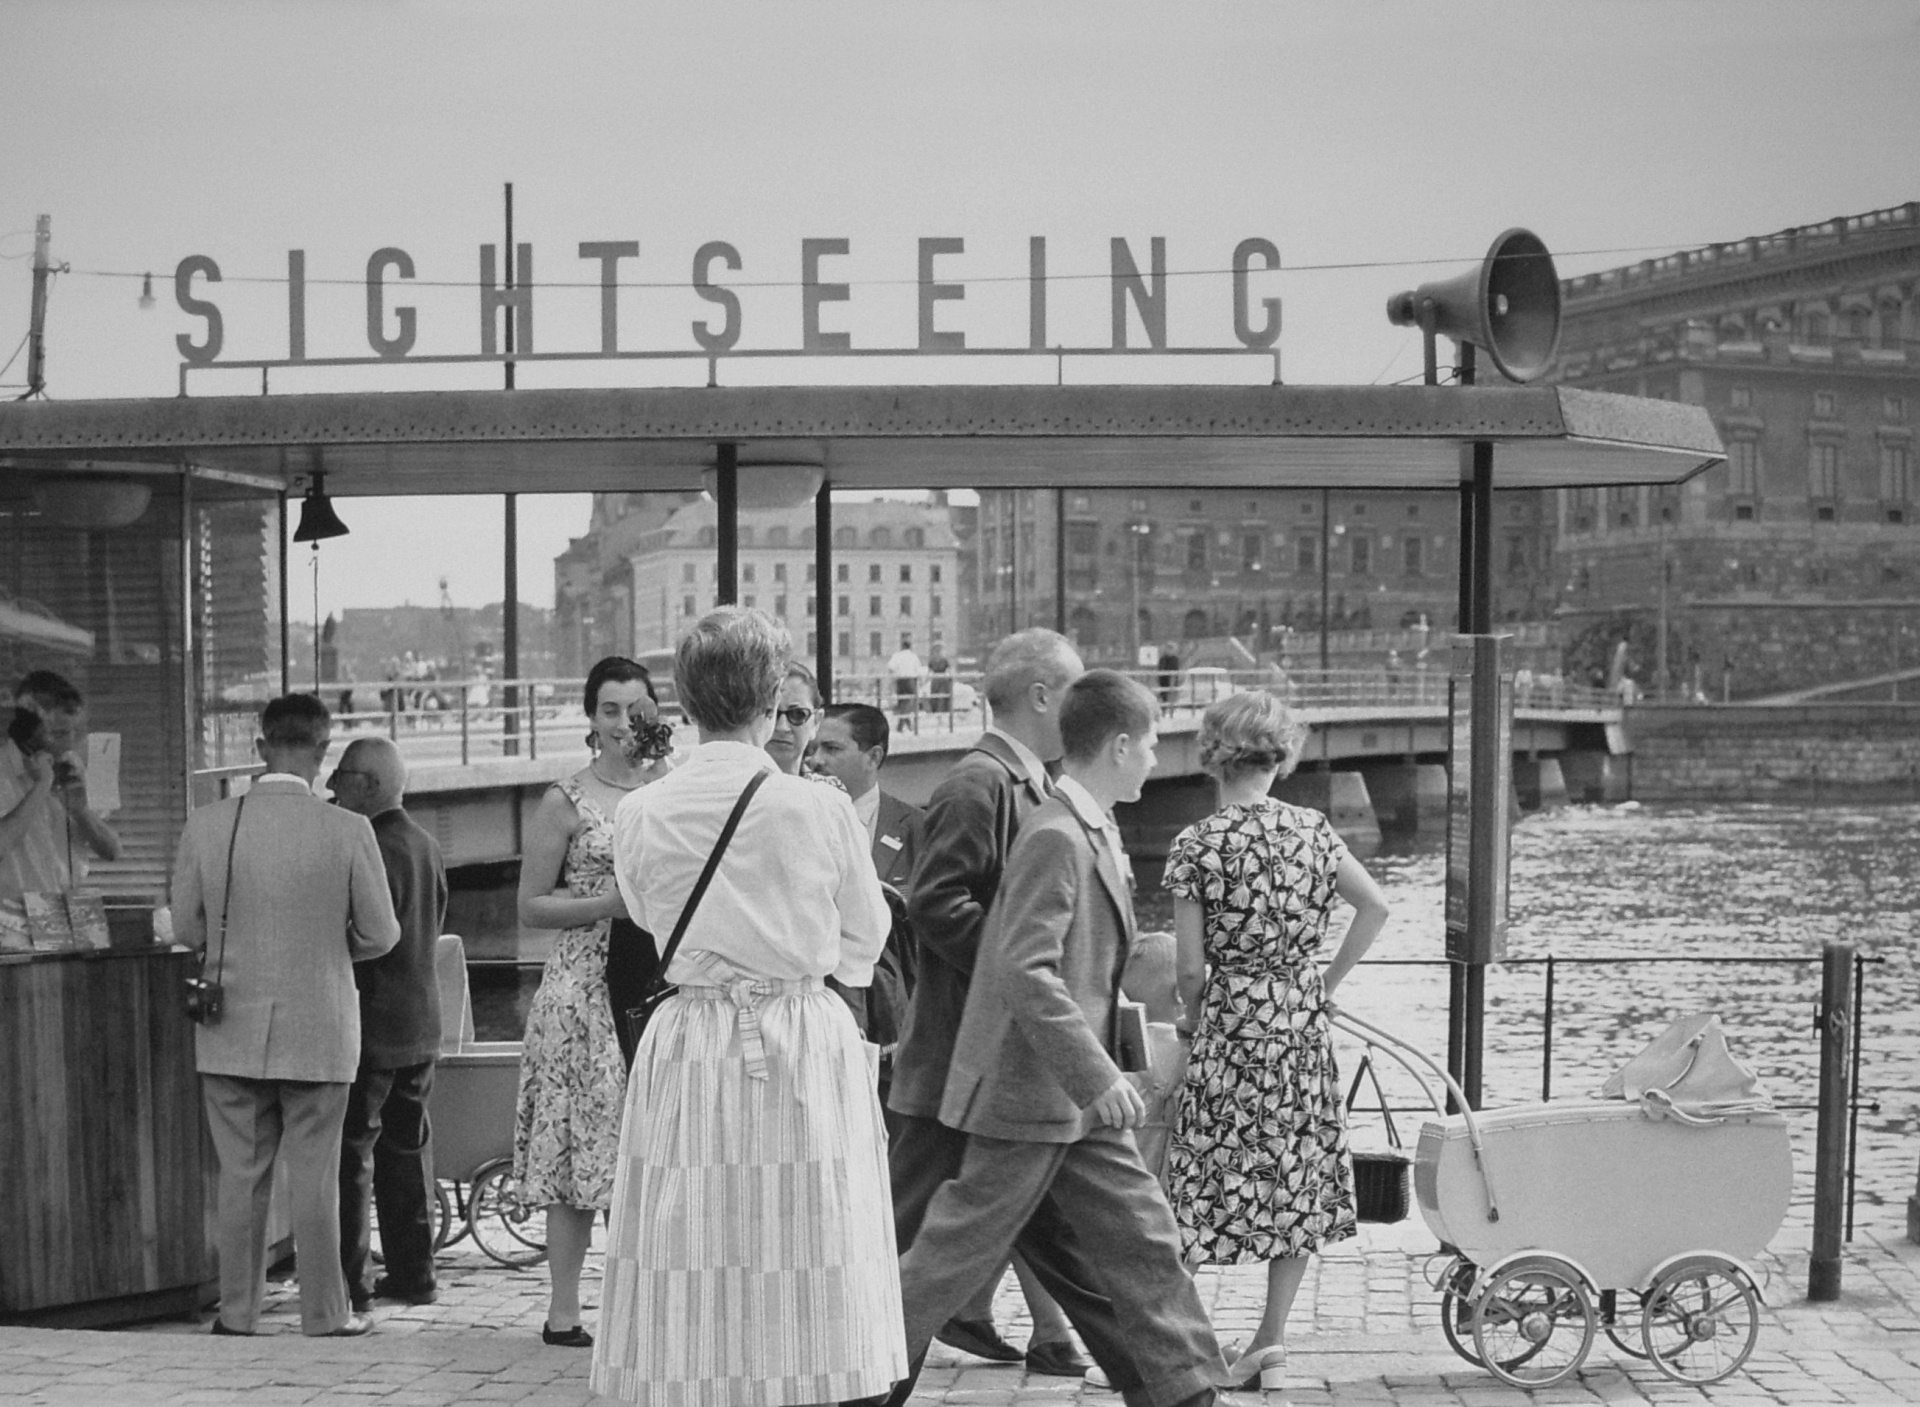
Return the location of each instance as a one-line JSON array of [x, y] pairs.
[[769, 485], [146, 293], [91, 503], [318, 521]]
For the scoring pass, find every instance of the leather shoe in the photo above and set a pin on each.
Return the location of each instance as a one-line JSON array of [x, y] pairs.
[[356, 1325], [1058, 1359], [220, 1329], [576, 1337], [980, 1338], [385, 1289]]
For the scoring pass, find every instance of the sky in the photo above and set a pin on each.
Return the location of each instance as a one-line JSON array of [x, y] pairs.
[[1398, 137]]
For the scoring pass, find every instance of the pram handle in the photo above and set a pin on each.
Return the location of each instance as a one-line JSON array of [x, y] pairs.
[[1406, 1054]]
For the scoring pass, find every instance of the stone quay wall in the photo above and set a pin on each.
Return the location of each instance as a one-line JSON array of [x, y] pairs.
[[1743, 752]]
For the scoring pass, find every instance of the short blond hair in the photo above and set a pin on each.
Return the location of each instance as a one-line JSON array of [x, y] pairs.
[[1248, 732], [728, 668]]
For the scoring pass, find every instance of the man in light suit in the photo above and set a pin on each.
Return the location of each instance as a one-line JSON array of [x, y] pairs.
[[283, 893], [1036, 1088]]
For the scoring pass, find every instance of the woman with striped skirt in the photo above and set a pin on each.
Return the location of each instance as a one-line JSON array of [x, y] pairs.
[[750, 1261]]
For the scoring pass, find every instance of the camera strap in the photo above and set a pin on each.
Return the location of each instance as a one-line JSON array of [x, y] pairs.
[[226, 900]]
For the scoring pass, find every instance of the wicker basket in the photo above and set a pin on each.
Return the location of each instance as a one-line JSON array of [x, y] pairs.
[[1383, 1180]]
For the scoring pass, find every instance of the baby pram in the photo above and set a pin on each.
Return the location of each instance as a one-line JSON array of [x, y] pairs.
[[1635, 1213]]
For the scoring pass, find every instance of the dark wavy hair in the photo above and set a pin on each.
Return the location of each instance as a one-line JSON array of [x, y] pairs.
[[615, 669]]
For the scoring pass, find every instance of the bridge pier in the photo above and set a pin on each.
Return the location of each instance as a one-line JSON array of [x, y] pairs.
[[1167, 806], [1539, 783], [1344, 799], [1592, 775], [1409, 797]]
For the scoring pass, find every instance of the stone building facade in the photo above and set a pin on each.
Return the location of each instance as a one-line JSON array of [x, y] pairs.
[[1796, 564]]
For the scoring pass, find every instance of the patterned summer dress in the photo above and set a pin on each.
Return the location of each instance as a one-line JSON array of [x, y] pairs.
[[1259, 1168], [573, 1082]]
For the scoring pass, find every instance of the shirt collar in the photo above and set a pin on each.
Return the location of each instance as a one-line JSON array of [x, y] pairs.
[[1082, 802], [732, 750], [298, 780], [1029, 759], [867, 807]]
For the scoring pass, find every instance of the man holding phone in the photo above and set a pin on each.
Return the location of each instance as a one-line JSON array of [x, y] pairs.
[[46, 825]]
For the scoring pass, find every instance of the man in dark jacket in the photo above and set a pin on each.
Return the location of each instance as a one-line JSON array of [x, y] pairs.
[[386, 1147]]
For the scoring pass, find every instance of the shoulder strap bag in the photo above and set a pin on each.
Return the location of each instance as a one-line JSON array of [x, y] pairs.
[[632, 1021], [206, 995]]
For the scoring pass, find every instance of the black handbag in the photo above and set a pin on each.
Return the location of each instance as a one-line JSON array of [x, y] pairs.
[[640, 989], [1382, 1180]]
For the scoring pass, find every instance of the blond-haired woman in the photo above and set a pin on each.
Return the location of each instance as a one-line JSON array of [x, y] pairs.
[[1258, 1168]]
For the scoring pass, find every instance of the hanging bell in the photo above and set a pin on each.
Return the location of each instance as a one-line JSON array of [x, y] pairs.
[[318, 521]]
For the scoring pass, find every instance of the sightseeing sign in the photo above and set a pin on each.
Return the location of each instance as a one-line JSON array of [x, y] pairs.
[[393, 325]]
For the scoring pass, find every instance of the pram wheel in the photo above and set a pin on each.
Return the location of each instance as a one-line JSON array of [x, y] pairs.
[[1534, 1322], [442, 1216], [1456, 1307], [1625, 1333], [1701, 1318], [502, 1226]]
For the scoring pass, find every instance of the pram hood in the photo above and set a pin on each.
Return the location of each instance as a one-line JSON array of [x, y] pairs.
[[1688, 1074]]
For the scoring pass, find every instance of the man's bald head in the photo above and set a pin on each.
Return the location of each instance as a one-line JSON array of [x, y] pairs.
[[371, 776]]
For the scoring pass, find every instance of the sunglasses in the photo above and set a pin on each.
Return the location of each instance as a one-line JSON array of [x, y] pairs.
[[795, 714]]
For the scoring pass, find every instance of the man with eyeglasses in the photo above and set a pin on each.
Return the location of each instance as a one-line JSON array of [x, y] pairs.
[[386, 1146]]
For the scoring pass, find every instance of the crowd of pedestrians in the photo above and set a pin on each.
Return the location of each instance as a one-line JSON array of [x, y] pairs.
[[895, 1061]]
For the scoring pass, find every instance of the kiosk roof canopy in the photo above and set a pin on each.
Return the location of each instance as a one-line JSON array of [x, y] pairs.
[[885, 437]]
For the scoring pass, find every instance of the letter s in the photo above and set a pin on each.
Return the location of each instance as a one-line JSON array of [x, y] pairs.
[[198, 353]]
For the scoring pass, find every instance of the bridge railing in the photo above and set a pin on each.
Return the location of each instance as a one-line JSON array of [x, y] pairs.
[[460, 719]]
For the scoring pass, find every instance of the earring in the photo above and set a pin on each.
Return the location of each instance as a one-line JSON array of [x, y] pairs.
[[593, 742]]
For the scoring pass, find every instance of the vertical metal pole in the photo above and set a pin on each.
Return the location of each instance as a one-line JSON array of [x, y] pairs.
[[510, 626], [1546, 1022], [37, 309], [508, 311], [823, 588], [727, 512], [286, 633], [1853, 1083], [1830, 1134], [1326, 570], [1060, 560]]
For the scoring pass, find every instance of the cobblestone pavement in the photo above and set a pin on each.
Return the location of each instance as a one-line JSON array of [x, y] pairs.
[[1365, 1331]]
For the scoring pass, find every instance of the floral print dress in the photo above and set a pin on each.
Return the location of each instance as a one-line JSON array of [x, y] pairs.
[[1259, 1168], [573, 1081]]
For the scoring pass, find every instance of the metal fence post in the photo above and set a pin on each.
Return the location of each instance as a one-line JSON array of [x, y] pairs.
[[1830, 1137]]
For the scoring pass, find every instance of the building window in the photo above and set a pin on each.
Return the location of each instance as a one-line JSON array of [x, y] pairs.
[[1740, 398], [745, 538], [689, 572], [873, 605], [746, 571], [873, 571], [843, 572], [880, 537], [1516, 555], [748, 602], [812, 606], [1195, 505], [1823, 471], [1896, 476], [1360, 563], [916, 538], [844, 645], [1136, 505], [1252, 551], [1412, 549], [1894, 407], [1743, 469], [1823, 404], [780, 606], [874, 647], [933, 605], [812, 577], [686, 606], [906, 572], [845, 537], [1743, 512], [933, 573], [780, 572], [707, 537], [813, 641], [1306, 555], [777, 537], [906, 605], [846, 606], [1196, 552]]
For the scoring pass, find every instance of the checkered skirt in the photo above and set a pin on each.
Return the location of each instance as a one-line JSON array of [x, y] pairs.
[[750, 1260]]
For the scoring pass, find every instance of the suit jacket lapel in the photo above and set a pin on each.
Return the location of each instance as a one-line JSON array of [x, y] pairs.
[[996, 748]]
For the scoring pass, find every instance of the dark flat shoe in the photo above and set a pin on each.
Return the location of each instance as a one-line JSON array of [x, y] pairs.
[[223, 1331], [385, 1289], [576, 1337], [980, 1338], [1059, 1359]]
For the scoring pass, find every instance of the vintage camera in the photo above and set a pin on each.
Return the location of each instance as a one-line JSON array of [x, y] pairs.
[[204, 996], [652, 739], [28, 731]]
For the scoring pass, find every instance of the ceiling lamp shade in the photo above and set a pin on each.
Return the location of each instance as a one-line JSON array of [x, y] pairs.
[[763, 486], [91, 503], [318, 521]]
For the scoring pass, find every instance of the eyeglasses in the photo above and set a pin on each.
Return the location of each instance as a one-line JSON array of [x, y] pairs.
[[795, 714]]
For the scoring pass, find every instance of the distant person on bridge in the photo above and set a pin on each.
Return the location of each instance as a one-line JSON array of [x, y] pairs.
[[904, 669], [1258, 1167], [386, 1147], [573, 1079], [972, 819]]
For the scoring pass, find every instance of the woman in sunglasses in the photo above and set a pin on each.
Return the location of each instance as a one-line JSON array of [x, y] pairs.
[[796, 718], [572, 1077]]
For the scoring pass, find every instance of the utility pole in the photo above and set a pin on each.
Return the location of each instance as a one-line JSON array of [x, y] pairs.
[[37, 320]]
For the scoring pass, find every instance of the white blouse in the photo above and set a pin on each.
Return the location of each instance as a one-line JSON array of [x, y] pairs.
[[795, 895]]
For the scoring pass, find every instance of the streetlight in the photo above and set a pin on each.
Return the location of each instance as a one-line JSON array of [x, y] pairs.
[[1327, 533], [1139, 534]]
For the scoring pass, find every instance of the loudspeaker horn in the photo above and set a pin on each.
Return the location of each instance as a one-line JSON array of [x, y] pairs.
[[1509, 307]]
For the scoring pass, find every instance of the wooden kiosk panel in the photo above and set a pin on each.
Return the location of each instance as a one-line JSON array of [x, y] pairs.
[[102, 1179]]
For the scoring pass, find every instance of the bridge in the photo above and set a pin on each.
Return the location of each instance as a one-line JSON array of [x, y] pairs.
[[1374, 754]]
